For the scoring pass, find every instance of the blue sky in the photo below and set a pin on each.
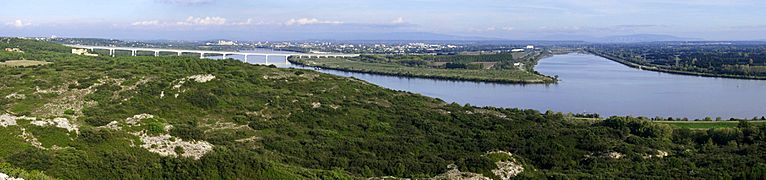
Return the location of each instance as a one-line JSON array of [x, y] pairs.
[[296, 19]]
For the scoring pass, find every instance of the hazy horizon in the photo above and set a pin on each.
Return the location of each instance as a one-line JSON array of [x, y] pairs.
[[347, 19]]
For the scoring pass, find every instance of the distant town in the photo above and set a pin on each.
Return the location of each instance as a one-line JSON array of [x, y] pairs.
[[319, 47]]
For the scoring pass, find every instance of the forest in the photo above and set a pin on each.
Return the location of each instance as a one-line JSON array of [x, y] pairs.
[[262, 122], [720, 59]]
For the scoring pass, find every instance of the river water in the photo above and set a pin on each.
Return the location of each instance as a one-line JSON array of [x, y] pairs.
[[591, 84]]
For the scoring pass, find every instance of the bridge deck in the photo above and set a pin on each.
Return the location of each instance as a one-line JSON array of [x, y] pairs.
[[202, 52]]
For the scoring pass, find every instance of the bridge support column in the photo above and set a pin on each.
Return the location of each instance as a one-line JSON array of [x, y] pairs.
[[133, 53], [286, 59], [267, 59], [179, 53], [245, 57], [224, 56], [202, 55], [111, 52], [156, 53]]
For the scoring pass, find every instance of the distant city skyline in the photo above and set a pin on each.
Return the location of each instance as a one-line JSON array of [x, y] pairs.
[[365, 19]]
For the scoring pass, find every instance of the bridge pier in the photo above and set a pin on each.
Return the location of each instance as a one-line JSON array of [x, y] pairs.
[[133, 53], [156, 53], [202, 55], [286, 59], [245, 57], [179, 53], [267, 59], [111, 52], [224, 56]]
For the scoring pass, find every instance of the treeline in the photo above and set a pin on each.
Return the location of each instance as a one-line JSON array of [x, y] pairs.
[[503, 60], [736, 60], [444, 58]]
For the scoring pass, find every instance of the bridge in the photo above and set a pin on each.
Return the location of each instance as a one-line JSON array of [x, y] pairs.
[[202, 53]]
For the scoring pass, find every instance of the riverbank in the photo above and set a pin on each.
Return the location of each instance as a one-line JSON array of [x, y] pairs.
[[477, 75], [664, 70]]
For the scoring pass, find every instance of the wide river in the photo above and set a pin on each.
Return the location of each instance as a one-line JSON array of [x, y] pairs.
[[592, 84]]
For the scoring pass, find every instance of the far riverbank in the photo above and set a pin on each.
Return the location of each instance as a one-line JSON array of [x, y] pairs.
[[501, 76]]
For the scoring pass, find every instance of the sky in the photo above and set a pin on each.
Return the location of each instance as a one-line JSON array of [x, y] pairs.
[[337, 19]]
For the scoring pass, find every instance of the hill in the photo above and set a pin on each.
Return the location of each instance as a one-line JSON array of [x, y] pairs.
[[185, 118]]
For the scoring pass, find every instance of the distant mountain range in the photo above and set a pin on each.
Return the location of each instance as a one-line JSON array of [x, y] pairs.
[[634, 38], [643, 38], [425, 36]]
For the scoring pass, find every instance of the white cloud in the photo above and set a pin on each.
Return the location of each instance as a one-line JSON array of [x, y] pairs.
[[492, 29], [185, 2], [246, 22], [249, 21], [146, 23], [206, 21], [309, 21], [198, 21], [399, 20], [18, 23]]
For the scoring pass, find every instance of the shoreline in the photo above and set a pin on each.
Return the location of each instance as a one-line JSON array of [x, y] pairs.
[[670, 71]]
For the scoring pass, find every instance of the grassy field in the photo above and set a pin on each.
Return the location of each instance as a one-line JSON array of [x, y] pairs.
[[707, 124], [486, 75], [23, 63]]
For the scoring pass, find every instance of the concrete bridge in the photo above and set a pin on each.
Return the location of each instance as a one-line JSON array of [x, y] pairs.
[[202, 53]]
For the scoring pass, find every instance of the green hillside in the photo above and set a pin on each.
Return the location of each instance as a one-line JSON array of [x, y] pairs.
[[184, 118]]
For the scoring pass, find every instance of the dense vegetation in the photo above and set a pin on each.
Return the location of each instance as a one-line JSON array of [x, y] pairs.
[[504, 68], [270, 123], [736, 60]]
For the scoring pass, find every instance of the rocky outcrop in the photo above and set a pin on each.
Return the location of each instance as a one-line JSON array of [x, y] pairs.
[[507, 169], [6, 177], [455, 174], [614, 155], [136, 120], [167, 145], [16, 96], [10, 120], [59, 123]]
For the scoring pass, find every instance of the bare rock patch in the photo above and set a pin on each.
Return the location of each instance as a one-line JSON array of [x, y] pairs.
[[59, 123], [10, 120], [167, 145], [507, 169], [15, 96]]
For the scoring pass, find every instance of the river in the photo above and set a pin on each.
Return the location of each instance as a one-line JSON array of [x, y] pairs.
[[592, 84]]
